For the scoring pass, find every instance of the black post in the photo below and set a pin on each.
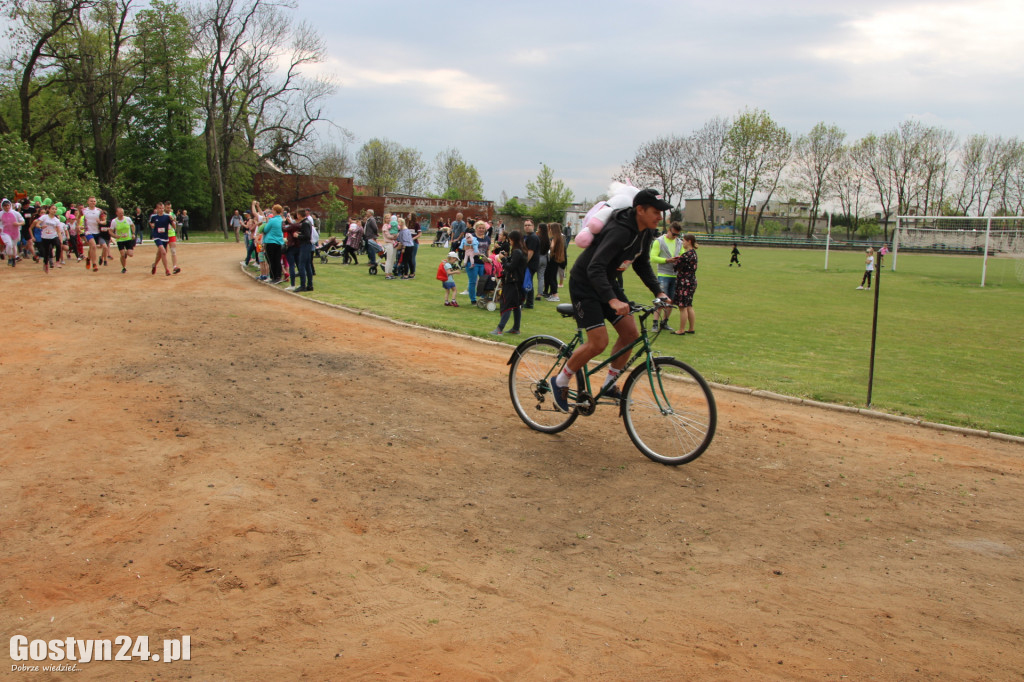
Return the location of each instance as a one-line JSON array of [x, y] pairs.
[[874, 332]]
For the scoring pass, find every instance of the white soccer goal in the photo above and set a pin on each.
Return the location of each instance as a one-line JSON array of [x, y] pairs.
[[984, 236]]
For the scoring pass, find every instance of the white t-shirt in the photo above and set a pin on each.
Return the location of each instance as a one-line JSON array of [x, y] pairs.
[[48, 227], [870, 265], [92, 220]]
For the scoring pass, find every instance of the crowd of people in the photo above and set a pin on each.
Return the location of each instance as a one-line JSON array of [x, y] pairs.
[[43, 231], [511, 268]]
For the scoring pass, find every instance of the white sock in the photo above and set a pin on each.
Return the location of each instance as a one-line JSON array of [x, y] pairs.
[[563, 377], [613, 376]]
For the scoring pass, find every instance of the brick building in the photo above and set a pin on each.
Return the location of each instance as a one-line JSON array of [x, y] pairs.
[[311, 191]]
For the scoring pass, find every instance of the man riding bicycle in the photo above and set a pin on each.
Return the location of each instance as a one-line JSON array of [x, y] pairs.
[[595, 288]]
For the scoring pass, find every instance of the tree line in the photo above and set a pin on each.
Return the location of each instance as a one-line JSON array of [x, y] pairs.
[[141, 103], [913, 168]]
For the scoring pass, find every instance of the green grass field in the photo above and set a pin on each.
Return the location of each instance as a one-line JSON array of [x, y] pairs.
[[947, 349]]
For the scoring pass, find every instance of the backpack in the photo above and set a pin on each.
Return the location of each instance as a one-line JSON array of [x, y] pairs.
[[442, 274]]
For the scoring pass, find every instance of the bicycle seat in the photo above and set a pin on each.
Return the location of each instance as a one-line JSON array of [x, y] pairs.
[[564, 309]]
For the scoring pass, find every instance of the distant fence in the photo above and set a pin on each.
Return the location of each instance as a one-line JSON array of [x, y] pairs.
[[818, 243]]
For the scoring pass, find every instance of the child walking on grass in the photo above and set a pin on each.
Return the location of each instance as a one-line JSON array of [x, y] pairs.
[[446, 273]]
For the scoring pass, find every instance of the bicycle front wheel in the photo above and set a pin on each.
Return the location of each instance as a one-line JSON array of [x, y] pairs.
[[669, 412], [533, 362]]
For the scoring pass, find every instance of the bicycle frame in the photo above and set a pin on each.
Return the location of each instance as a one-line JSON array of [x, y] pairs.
[[645, 350]]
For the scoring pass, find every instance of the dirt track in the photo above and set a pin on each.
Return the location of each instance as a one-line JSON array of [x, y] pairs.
[[306, 492]]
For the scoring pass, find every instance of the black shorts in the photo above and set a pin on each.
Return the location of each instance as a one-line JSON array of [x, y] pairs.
[[126, 245], [590, 312]]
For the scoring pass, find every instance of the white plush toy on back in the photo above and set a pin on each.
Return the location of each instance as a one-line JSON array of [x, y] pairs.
[[619, 196]]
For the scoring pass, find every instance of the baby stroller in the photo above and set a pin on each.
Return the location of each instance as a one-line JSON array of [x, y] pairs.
[[331, 248], [442, 238], [488, 287]]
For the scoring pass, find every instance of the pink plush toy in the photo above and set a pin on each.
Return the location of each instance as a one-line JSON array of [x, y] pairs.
[[619, 196]]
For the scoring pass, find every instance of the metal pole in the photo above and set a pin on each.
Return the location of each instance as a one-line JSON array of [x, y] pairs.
[[896, 244], [874, 333], [828, 239], [984, 263]]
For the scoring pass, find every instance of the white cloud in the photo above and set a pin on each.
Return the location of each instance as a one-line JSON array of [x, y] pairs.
[[980, 35], [446, 88]]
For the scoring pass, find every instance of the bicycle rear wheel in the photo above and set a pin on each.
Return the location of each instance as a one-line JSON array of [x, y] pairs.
[[533, 362], [669, 413]]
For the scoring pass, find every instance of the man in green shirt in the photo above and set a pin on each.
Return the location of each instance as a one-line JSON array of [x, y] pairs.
[[124, 235]]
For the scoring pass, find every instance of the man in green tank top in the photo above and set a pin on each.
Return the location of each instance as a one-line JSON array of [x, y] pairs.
[[124, 235]]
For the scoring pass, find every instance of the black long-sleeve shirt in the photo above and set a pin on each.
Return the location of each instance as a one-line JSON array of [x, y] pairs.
[[617, 246]]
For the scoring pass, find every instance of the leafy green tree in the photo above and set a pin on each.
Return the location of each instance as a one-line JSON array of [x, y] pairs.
[[456, 179], [551, 194], [515, 209], [335, 210], [162, 156], [60, 179]]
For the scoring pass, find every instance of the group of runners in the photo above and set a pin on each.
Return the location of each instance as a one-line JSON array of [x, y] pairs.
[[48, 232]]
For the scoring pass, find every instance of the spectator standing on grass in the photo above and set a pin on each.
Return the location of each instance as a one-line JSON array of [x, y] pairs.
[[370, 235], [414, 227], [448, 284], [556, 262], [512, 285], [291, 249], [531, 246], [542, 260], [404, 244], [459, 228], [869, 267], [686, 285], [273, 241], [249, 227], [665, 253], [304, 239], [353, 242]]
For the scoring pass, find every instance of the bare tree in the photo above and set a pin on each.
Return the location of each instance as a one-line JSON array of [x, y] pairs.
[[258, 104], [869, 156], [660, 163], [847, 182], [454, 178], [938, 149], [705, 154], [814, 155]]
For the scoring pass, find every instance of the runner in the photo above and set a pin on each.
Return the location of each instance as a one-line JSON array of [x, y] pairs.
[[159, 232], [105, 238], [11, 222], [27, 243], [124, 233], [91, 222], [49, 233], [172, 234]]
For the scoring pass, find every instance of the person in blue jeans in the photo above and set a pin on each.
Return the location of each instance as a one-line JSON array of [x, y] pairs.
[[468, 246], [304, 239]]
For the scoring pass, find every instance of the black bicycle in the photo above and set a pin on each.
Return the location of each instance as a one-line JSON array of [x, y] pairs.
[[666, 405]]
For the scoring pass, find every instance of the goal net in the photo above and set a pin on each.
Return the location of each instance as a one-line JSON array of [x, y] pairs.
[[984, 236]]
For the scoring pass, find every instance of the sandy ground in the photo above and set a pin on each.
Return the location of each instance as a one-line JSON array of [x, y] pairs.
[[308, 493]]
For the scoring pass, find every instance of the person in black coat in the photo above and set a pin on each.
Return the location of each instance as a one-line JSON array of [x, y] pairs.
[[511, 285]]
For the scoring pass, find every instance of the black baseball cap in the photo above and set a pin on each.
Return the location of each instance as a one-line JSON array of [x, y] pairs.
[[650, 197]]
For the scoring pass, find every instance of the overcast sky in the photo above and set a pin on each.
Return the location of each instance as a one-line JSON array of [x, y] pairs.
[[580, 85]]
